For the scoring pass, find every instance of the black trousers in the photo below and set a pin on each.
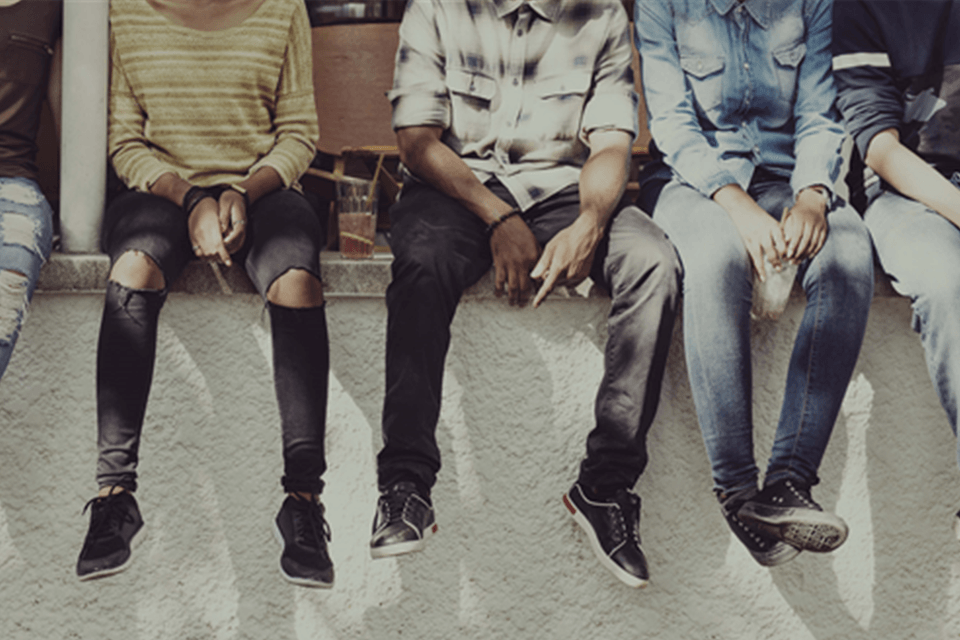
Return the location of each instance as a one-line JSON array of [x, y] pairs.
[[440, 249], [283, 233]]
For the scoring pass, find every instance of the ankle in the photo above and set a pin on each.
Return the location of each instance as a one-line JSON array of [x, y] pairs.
[[110, 491], [305, 495]]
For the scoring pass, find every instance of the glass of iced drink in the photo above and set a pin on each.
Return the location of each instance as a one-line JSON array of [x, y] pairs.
[[357, 217], [770, 297]]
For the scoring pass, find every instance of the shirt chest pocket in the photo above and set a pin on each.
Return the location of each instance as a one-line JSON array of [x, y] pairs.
[[25, 58], [786, 64], [704, 74], [471, 100], [558, 101]]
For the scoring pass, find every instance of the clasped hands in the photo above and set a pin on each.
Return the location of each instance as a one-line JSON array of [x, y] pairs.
[[799, 235], [218, 227], [518, 261]]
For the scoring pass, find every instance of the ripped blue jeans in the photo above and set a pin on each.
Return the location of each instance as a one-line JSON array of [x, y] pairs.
[[26, 235]]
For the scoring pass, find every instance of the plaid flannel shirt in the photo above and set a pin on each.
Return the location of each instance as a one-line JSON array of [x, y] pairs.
[[517, 85]]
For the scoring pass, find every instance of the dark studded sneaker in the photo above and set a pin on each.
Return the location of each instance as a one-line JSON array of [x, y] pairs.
[[613, 528], [785, 510], [765, 549], [403, 522], [303, 533], [114, 522]]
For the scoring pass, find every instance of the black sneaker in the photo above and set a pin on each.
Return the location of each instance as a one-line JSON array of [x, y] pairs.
[[786, 510], [114, 522], [303, 533], [613, 528], [403, 522], [765, 549]]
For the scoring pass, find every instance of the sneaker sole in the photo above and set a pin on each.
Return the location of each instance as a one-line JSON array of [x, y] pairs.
[[815, 531], [135, 543], [303, 582], [626, 578], [401, 548]]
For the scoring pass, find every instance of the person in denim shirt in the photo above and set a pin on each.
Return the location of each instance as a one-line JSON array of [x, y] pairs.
[[740, 98]]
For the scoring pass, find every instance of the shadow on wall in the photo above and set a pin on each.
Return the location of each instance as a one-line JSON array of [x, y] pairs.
[[507, 562]]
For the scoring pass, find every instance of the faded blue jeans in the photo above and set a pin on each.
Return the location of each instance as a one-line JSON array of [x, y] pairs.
[[920, 250], [26, 234], [717, 293]]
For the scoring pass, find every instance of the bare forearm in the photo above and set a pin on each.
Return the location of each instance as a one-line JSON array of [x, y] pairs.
[[909, 174], [266, 180], [436, 164], [602, 183], [736, 202]]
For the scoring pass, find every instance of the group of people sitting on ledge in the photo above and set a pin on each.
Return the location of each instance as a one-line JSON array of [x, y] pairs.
[[514, 122]]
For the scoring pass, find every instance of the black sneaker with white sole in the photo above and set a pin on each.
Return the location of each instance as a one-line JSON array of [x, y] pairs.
[[403, 522], [765, 548], [785, 510], [108, 548], [303, 533], [613, 528]]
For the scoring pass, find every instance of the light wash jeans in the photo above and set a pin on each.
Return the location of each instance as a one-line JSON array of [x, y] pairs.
[[717, 292], [920, 250], [26, 234]]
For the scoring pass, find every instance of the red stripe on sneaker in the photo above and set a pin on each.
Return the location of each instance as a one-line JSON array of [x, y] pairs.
[[570, 507]]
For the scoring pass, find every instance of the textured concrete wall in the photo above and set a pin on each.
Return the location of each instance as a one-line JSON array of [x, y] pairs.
[[507, 562]]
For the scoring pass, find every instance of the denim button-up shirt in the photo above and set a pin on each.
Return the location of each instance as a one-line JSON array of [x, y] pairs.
[[731, 86]]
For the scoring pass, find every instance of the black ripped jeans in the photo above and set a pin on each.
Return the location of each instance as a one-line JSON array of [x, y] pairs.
[[283, 233]]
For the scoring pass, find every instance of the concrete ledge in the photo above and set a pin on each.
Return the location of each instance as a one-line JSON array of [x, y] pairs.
[[342, 278]]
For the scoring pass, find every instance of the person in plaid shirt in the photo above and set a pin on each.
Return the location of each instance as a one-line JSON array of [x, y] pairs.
[[514, 121]]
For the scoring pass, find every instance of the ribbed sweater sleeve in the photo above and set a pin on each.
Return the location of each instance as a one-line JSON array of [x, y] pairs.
[[296, 112]]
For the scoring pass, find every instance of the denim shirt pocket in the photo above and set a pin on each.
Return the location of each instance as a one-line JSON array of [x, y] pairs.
[[787, 64], [561, 101], [471, 95], [25, 57], [704, 73]]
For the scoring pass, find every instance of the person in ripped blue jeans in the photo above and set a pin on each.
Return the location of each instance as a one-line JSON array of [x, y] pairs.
[[740, 100], [897, 66], [29, 70]]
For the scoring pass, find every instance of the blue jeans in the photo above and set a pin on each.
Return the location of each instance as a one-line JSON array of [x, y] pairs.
[[26, 234], [920, 251], [717, 293]]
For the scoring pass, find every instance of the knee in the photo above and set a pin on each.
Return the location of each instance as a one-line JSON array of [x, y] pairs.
[[652, 263], [14, 298], [296, 289], [26, 231], [137, 270]]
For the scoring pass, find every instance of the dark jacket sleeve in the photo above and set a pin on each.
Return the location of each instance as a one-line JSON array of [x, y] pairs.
[[867, 92]]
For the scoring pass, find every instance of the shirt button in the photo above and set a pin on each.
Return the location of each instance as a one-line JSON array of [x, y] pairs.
[[743, 123], [519, 33], [756, 150], [746, 65], [516, 82]]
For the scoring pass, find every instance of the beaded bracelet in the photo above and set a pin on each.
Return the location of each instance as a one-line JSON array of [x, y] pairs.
[[496, 223]]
